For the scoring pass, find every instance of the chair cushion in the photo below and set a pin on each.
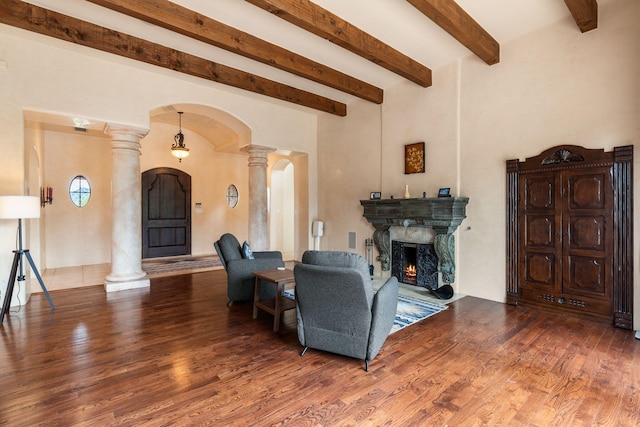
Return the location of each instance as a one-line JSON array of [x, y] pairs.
[[230, 247]]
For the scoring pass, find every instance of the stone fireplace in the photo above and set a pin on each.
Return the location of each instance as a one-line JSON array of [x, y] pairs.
[[442, 215]]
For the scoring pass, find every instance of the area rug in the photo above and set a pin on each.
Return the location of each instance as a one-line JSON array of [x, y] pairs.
[[180, 265], [412, 310], [409, 311]]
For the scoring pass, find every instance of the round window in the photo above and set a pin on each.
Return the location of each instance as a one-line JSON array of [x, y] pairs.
[[232, 195], [80, 191]]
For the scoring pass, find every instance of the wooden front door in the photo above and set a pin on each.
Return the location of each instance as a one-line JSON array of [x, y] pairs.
[[166, 213], [570, 232]]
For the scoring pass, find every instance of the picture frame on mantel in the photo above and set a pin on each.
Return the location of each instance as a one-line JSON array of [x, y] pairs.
[[414, 158], [444, 192]]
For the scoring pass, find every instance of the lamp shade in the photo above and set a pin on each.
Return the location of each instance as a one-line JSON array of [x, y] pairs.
[[180, 152], [16, 207]]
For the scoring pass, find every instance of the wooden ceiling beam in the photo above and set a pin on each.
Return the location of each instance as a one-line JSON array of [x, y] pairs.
[[585, 13], [192, 24], [39, 20], [449, 16], [325, 24]]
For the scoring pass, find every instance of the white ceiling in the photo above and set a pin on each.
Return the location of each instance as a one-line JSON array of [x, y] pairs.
[[395, 22]]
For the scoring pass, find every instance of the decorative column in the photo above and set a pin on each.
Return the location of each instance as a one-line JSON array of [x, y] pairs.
[[258, 213], [126, 234]]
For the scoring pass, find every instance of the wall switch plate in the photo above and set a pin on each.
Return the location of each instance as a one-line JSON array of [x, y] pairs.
[[352, 240]]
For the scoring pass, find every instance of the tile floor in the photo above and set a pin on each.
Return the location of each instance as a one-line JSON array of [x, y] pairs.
[[75, 277], [71, 277]]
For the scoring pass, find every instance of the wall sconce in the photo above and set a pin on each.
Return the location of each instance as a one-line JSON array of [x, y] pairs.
[[46, 196]]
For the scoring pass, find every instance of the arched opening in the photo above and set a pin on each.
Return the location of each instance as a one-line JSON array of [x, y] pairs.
[[215, 162], [282, 209]]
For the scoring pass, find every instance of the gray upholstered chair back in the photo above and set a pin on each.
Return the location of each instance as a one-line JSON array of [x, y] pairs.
[[240, 278], [337, 309], [228, 248], [344, 260]]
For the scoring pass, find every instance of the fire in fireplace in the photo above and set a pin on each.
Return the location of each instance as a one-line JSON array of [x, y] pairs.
[[410, 273], [415, 264]]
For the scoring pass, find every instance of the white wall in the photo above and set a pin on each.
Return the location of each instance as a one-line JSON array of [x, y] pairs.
[[349, 167], [554, 86], [73, 235]]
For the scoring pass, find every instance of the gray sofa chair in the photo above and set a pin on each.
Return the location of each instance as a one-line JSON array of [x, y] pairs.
[[240, 278], [336, 306]]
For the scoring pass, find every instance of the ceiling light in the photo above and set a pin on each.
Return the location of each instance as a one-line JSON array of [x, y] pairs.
[[80, 124], [178, 149]]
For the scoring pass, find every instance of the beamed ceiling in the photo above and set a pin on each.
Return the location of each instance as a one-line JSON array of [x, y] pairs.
[[320, 55]]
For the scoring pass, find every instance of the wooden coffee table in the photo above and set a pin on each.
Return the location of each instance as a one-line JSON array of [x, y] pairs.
[[279, 304]]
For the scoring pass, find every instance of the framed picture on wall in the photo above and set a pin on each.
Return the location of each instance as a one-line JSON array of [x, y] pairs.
[[414, 158]]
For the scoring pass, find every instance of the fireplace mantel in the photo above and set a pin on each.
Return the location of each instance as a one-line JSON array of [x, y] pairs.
[[442, 214]]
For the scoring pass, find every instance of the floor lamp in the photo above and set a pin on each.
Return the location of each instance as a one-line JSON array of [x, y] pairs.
[[20, 207]]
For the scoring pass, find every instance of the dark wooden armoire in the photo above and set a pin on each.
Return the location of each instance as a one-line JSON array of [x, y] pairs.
[[570, 232]]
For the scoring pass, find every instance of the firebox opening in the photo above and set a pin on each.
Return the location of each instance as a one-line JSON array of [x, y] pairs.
[[409, 272], [414, 264]]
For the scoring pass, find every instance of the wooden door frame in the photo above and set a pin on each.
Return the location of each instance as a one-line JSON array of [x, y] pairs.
[[564, 157]]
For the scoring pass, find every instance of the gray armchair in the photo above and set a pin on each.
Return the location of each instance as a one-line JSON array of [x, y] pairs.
[[337, 309], [240, 278]]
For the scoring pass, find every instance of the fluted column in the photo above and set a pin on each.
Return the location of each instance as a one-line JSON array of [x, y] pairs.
[[126, 231], [258, 203]]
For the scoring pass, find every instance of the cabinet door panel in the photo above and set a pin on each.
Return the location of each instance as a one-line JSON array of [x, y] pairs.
[[539, 192], [540, 222], [540, 270], [539, 231], [587, 246], [587, 276], [587, 233], [587, 190]]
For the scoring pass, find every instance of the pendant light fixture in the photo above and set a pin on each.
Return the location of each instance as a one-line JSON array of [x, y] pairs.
[[178, 149]]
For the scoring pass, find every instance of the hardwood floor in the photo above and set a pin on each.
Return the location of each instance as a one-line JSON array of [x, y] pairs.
[[174, 354]]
